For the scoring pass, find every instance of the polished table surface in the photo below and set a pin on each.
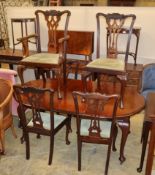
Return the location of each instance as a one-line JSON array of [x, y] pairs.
[[133, 102]]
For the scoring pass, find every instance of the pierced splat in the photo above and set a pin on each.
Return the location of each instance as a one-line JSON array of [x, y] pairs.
[[114, 26], [35, 100], [94, 107]]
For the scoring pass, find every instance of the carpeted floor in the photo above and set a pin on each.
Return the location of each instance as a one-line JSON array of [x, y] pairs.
[[65, 156]]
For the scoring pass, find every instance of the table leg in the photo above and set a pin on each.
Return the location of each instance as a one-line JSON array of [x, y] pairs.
[[125, 128], [150, 156]]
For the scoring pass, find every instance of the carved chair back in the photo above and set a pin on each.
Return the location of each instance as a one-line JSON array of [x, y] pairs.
[[114, 24], [94, 125], [53, 22]]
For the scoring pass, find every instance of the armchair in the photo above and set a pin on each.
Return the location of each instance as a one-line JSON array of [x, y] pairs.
[[55, 57], [6, 119], [8, 74]]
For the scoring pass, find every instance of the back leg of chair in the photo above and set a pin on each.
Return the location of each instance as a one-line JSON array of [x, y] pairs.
[[2, 140], [51, 149], [68, 129], [27, 142], [79, 154], [108, 158], [13, 130]]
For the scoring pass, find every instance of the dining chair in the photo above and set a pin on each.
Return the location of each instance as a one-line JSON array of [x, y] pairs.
[[6, 118], [35, 119], [54, 57], [95, 122], [113, 64]]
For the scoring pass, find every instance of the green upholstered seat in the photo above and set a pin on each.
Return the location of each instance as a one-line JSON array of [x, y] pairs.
[[107, 63], [46, 58]]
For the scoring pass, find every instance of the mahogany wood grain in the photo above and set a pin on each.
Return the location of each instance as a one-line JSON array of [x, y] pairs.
[[133, 102]]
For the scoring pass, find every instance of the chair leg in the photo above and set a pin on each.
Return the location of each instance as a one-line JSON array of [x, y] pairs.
[[108, 158], [2, 140], [79, 154], [51, 149], [13, 131], [68, 129], [26, 137], [146, 129]]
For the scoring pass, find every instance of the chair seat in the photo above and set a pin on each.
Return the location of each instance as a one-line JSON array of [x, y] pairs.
[[45, 116], [45, 58], [104, 125], [107, 63]]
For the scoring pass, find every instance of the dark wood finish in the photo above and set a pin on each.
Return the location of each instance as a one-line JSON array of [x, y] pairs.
[[94, 106], [148, 128], [121, 2], [52, 19], [133, 102], [34, 101], [10, 57], [80, 43], [115, 23]]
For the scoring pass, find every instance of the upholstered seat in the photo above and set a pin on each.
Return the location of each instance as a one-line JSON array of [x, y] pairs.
[[43, 58], [148, 79], [45, 116], [108, 64], [105, 127]]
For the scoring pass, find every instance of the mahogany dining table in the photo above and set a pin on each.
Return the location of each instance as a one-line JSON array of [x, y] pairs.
[[133, 102]]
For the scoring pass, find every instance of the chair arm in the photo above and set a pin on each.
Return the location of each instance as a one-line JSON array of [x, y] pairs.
[[61, 41], [7, 99], [25, 40]]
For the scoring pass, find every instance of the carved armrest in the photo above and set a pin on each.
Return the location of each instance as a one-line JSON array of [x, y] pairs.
[[25, 43], [61, 41]]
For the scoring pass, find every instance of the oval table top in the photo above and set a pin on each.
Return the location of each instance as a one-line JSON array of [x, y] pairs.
[[133, 101]]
